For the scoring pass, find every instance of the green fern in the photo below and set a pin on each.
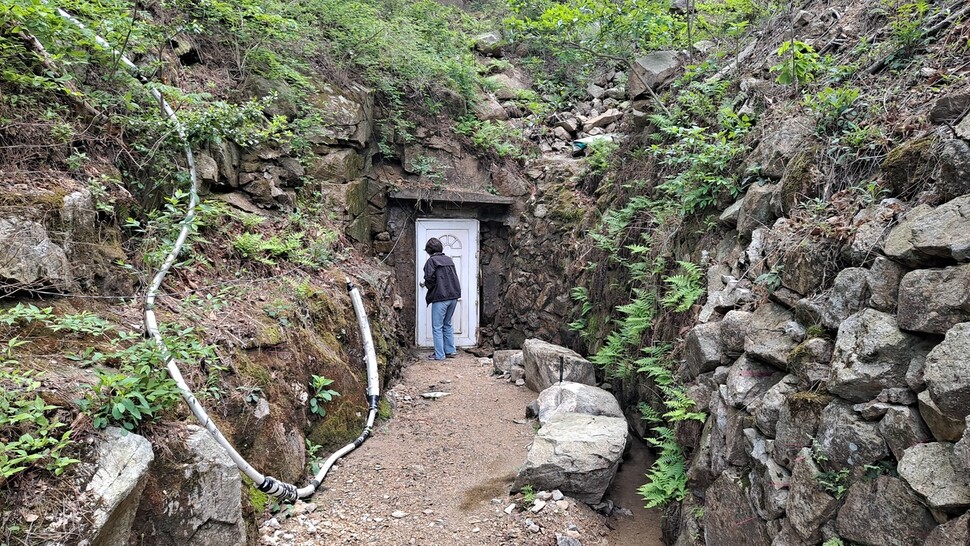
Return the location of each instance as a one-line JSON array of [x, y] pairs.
[[684, 289], [667, 478]]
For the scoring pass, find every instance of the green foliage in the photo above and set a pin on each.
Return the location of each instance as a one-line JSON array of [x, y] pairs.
[[907, 21], [836, 109], [799, 65], [834, 541], [772, 278], [320, 394], [30, 438], [141, 390], [82, 324], [667, 478], [492, 136], [599, 153], [834, 483], [528, 494], [683, 289]]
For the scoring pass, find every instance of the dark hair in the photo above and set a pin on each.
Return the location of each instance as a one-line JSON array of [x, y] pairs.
[[433, 246]]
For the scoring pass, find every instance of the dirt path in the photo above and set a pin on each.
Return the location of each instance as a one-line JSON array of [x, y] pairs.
[[438, 474]]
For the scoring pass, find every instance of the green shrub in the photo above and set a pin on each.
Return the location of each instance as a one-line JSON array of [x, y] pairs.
[[320, 394]]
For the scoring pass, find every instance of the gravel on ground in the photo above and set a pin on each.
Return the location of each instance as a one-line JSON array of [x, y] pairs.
[[438, 474]]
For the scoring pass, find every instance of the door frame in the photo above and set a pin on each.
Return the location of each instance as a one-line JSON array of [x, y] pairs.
[[469, 279]]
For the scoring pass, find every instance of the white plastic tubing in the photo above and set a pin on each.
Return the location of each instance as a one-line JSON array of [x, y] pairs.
[[265, 484]]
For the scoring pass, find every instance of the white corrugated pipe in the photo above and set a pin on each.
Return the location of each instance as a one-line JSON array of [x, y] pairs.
[[266, 484]]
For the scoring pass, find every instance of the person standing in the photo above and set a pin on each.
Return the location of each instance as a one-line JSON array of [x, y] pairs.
[[444, 289]]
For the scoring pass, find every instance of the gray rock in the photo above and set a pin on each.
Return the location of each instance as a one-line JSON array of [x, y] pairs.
[[734, 330], [797, 425], [507, 86], [651, 72], [769, 411], [808, 506], [729, 517], [903, 520], [577, 454], [944, 429], [602, 120], [788, 536], [954, 169], [872, 411], [928, 469], [569, 397], [542, 365], [949, 109], [778, 147], [848, 295], [122, 462], [902, 428], [955, 532], [489, 43], [772, 334], [206, 168], [731, 214], [28, 258], [846, 440], [926, 233], [769, 480], [961, 452], [724, 294], [747, 382], [805, 268], [901, 396], [947, 373], [487, 107], [516, 374], [884, 278], [758, 210], [811, 361], [871, 227], [704, 349], [503, 360], [348, 113], [933, 300], [871, 354]]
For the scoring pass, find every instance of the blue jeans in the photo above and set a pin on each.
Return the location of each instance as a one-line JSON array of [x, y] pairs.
[[442, 331]]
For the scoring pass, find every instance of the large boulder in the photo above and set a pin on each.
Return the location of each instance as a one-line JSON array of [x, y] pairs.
[[505, 360], [575, 453], [569, 397], [197, 501], [542, 360], [884, 278], [848, 295], [902, 428], [903, 520], [729, 517], [846, 440], [121, 472], [944, 428], [929, 470], [747, 382], [871, 354], [348, 114], [772, 333], [769, 480], [769, 410], [933, 300], [28, 257], [778, 147], [947, 373], [652, 71], [758, 209], [798, 421], [811, 361], [955, 532], [928, 234], [808, 505]]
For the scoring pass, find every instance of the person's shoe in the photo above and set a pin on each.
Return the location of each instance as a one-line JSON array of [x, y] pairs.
[[451, 355], [432, 356]]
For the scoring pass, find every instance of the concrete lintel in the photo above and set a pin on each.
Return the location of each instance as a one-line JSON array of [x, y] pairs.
[[451, 196]]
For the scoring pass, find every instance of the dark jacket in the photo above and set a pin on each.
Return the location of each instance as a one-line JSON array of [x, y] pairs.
[[441, 279]]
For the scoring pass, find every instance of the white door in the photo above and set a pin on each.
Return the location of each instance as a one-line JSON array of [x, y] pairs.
[[460, 241]]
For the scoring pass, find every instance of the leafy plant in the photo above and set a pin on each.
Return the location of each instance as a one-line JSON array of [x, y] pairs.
[[30, 439], [667, 478], [492, 135], [320, 394], [833, 482], [799, 63], [835, 109], [528, 494], [683, 289]]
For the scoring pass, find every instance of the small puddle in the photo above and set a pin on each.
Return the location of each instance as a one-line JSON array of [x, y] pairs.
[[644, 527]]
